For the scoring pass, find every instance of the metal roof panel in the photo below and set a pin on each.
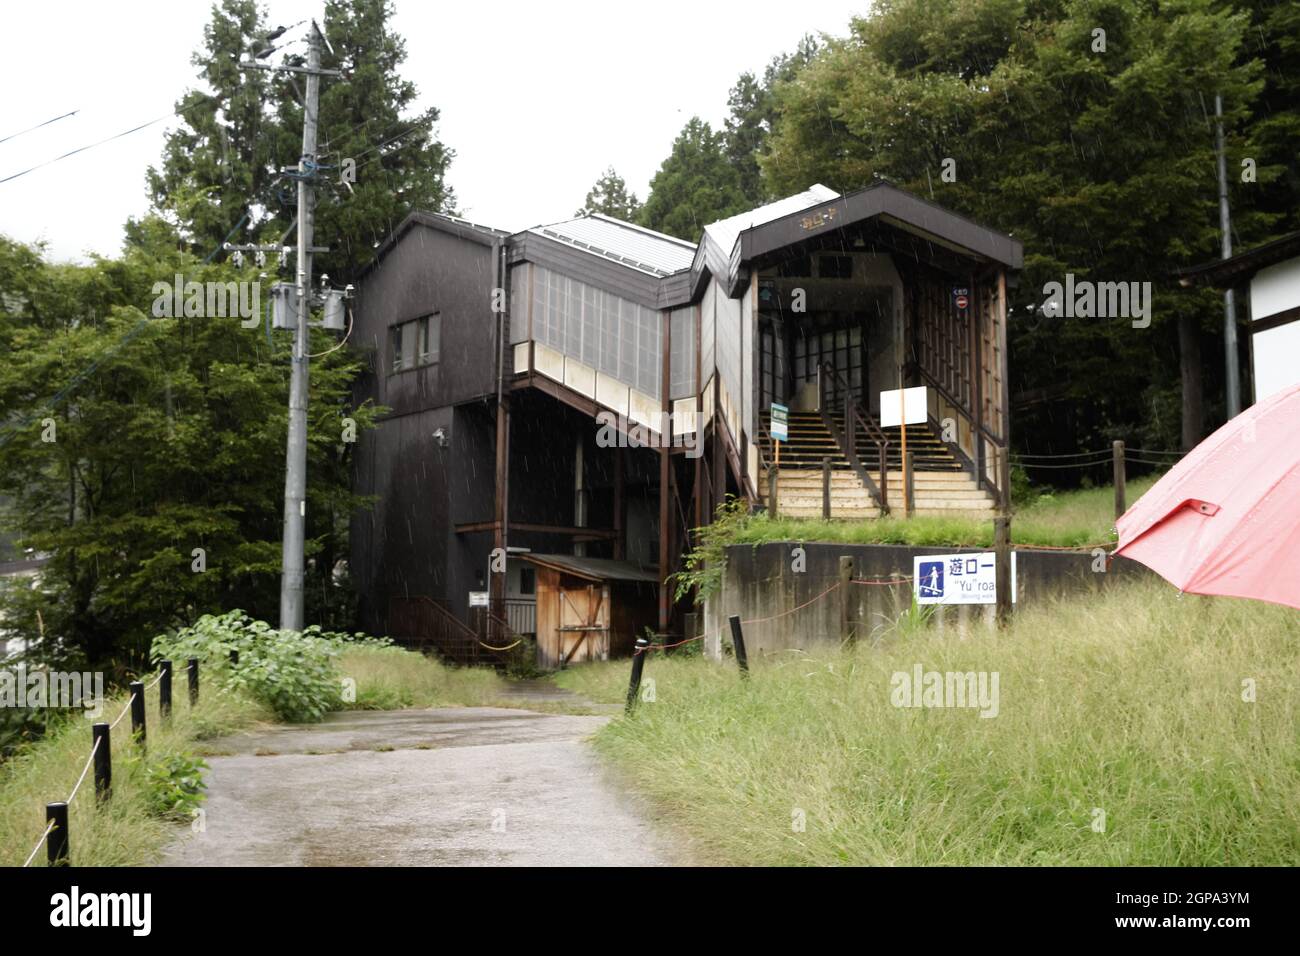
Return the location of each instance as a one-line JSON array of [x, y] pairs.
[[630, 245]]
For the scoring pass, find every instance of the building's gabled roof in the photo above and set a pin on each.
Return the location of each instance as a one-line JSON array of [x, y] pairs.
[[660, 271], [622, 242], [728, 245], [1243, 265], [725, 232], [461, 228]]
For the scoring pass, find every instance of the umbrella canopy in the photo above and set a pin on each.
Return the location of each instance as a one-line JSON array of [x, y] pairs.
[[1226, 519]]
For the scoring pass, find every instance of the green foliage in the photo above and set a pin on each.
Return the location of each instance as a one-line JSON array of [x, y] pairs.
[[753, 114], [703, 565], [611, 197], [130, 440], [1064, 519], [175, 785], [1022, 491], [242, 126], [913, 621], [293, 673], [1128, 699], [1101, 163], [223, 148], [695, 185]]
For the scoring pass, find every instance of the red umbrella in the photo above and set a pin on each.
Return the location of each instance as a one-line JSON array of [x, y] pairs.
[[1226, 519]]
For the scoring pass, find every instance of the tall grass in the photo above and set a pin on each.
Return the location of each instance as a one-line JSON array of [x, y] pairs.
[[121, 831], [1127, 703], [1061, 519], [390, 678]]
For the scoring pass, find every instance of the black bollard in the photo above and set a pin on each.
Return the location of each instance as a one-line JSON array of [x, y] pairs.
[[56, 844], [638, 665], [99, 734], [137, 711], [738, 639], [165, 689], [192, 672]]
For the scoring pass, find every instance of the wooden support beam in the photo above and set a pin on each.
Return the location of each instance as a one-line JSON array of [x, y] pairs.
[[619, 542], [590, 534], [665, 516]]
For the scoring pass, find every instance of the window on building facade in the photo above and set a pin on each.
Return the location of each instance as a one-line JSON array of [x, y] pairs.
[[414, 343]]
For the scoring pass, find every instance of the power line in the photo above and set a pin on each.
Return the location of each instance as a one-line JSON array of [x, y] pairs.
[[82, 149], [38, 126]]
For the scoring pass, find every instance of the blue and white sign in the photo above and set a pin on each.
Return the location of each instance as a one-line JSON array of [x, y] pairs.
[[780, 422], [958, 578]]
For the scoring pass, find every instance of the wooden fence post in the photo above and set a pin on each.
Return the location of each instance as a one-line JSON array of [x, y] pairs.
[[1002, 566], [848, 615], [826, 489], [909, 486]]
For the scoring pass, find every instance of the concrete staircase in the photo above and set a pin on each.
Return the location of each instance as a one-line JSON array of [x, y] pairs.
[[940, 485]]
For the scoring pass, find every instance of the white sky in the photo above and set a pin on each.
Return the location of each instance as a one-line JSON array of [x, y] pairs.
[[537, 98]]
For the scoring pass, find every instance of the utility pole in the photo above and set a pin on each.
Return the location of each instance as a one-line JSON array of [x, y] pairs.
[[295, 478], [295, 459], [1232, 379]]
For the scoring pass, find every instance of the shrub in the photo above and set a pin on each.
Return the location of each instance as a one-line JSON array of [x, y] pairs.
[[175, 786], [294, 673]]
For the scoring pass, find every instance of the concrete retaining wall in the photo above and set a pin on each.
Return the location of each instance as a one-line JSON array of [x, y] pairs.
[[760, 583]]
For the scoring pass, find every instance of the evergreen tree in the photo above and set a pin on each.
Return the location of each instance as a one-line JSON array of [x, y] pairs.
[[753, 116], [611, 197], [237, 135], [221, 150], [1095, 149], [696, 185]]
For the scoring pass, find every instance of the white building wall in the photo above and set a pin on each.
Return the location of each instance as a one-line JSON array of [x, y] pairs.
[[1276, 351]]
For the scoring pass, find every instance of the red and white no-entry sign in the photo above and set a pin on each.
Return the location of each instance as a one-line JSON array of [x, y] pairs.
[[961, 298]]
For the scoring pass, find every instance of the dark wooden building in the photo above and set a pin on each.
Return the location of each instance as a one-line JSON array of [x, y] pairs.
[[594, 389]]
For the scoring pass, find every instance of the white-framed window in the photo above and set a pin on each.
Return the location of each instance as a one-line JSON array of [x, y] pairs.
[[414, 343], [430, 339]]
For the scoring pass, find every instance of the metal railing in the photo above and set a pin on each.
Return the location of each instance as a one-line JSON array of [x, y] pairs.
[[834, 391], [424, 623]]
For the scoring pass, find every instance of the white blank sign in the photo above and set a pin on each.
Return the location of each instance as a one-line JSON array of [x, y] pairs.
[[915, 404]]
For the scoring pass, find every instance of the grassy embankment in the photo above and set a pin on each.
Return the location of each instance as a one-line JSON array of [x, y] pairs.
[[1128, 703], [129, 829], [1060, 519]]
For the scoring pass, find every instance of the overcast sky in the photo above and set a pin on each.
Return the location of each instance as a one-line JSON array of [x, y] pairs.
[[537, 98]]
